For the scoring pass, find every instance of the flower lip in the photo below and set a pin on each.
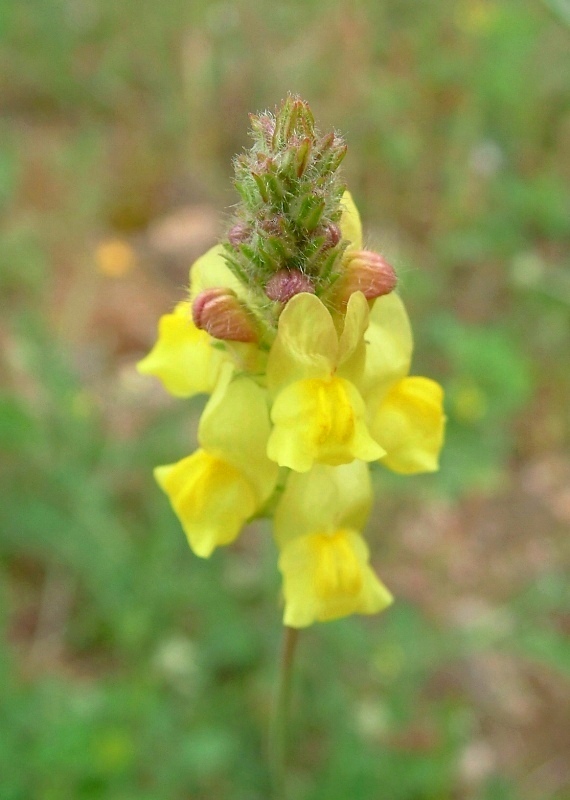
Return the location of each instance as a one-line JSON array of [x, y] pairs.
[[320, 421], [338, 571], [327, 575]]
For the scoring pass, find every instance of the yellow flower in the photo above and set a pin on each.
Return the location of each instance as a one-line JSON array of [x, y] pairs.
[[211, 498], [115, 258], [220, 486], [184, 358], [318, 413], [469, 402], [405, 413], [324, 559], [409, 424]]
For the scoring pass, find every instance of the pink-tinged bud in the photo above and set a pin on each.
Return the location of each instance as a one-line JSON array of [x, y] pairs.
[[239, 233], [264, 124], [366, 272], [286, 283], [219, 312], [272, 226], [332, 235]]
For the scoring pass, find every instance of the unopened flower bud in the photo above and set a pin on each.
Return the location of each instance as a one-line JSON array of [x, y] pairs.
[[239, 233], [219, 312], [286, 283], [367, 272], [273, 226], [263, 124], [332, 235]]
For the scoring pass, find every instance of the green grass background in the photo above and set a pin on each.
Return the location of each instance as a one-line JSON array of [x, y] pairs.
[[131, 670]]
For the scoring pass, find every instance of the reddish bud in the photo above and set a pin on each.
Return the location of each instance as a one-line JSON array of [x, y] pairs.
[[267, 125], [272, 226], [219, 312], [239, 233], [332, 235], [366, 272], [286, 283]]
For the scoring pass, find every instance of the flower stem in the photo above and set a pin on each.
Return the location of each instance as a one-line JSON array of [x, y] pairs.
[[278, 732]]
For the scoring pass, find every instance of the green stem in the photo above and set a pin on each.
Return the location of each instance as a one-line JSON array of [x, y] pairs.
[[278, 732]]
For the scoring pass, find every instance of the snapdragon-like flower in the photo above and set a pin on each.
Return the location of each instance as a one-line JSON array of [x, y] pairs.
[[318, 413], [184, 358], [295, 331], [224, 483], [406, 414], [323, 556]]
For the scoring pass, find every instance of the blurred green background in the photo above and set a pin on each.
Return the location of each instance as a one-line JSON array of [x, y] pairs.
[[131, 670]]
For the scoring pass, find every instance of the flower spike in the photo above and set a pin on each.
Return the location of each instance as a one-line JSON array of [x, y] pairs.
[[296, 332]]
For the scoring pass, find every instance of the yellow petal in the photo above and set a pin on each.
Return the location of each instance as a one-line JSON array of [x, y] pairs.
[[352, 346], [306, 345], [388, 346], [183, 357], [235, 427], [409, 424], [326, 575], [211, 498], [247, 357], [320, 421], [350, 225], [325, 498], [211, 271]]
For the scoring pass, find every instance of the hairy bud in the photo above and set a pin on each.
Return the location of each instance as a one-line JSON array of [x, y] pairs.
[[220, 313], [367, 272], [239, 233], [286, 283], [332, 235]]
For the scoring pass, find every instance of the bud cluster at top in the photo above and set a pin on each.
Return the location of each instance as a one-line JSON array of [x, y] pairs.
[[285, 237]]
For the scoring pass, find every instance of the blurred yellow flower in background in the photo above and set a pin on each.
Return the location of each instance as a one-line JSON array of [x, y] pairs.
[[477, 17], [115, 258]]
